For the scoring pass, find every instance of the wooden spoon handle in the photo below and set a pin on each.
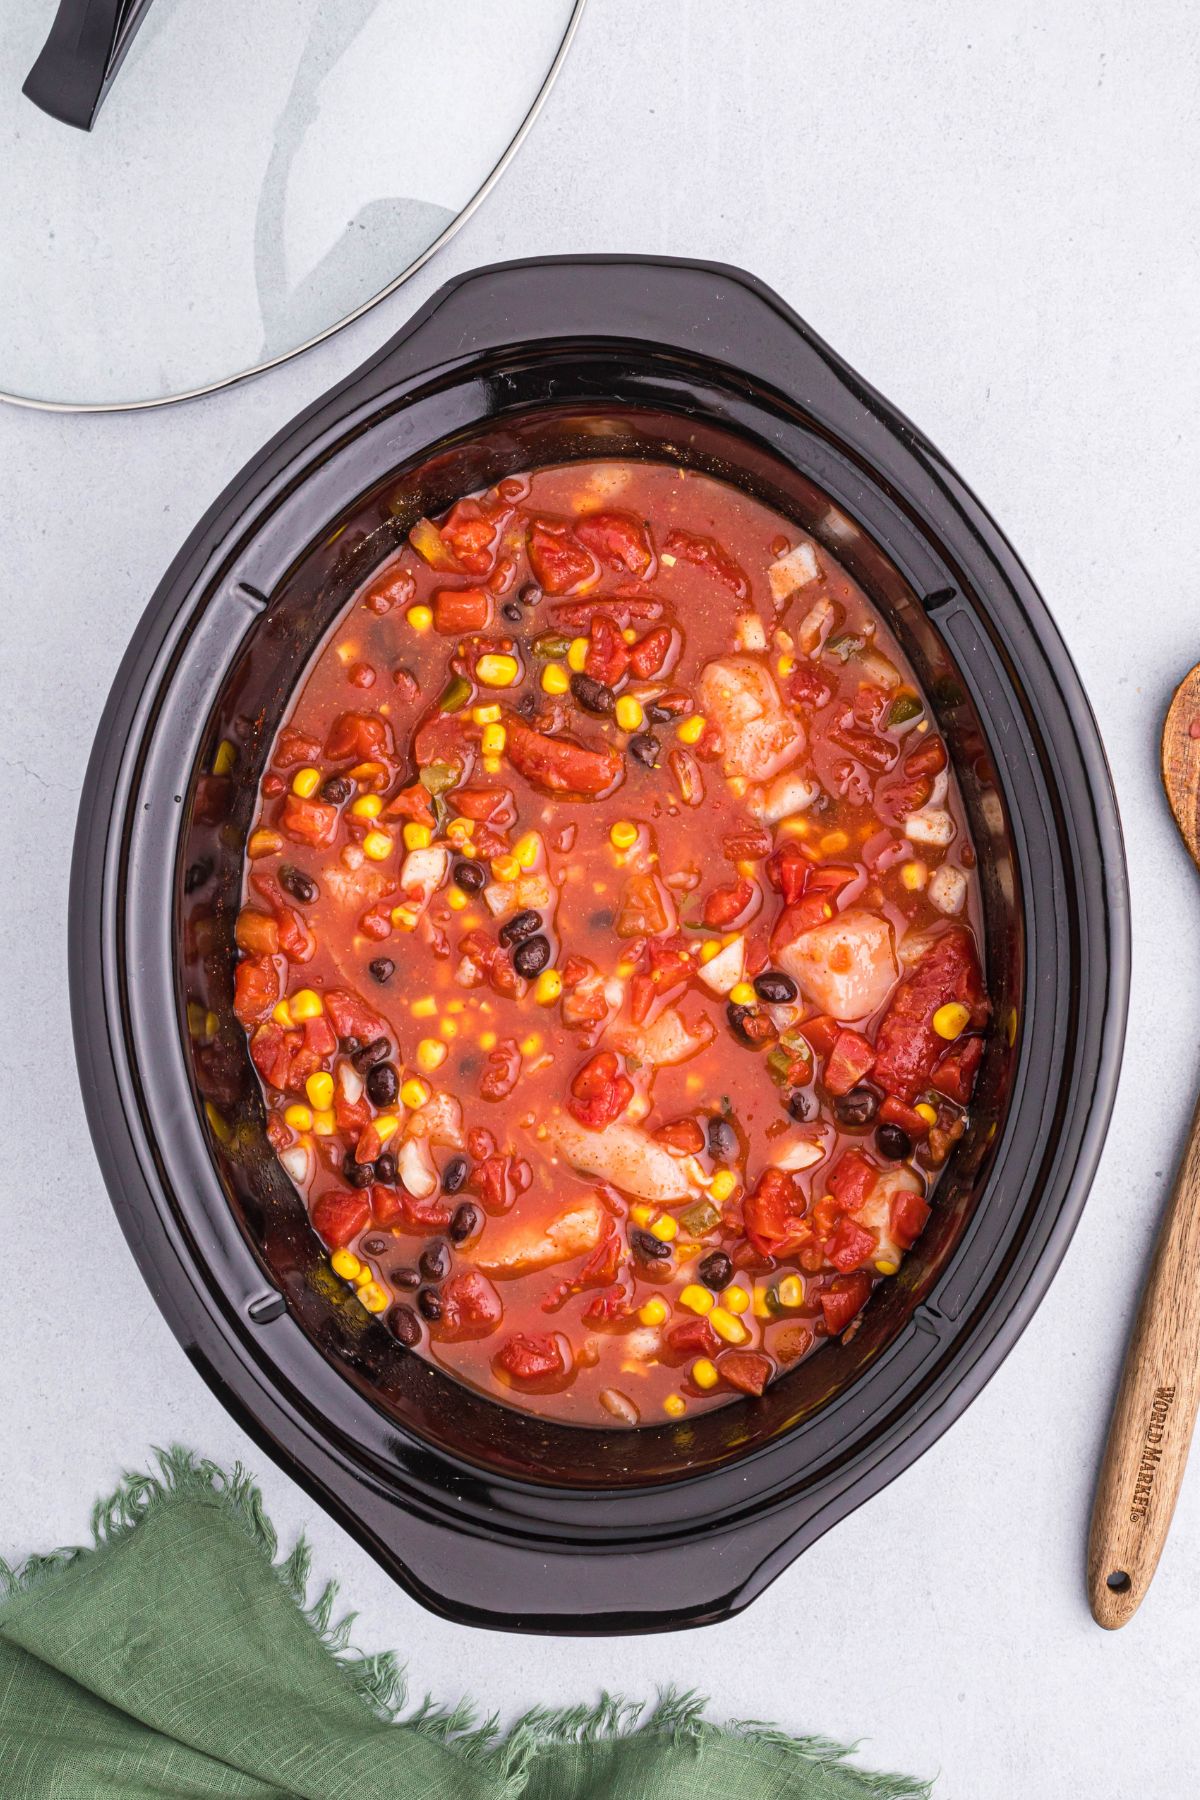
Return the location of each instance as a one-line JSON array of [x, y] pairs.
[[1151, 1428]]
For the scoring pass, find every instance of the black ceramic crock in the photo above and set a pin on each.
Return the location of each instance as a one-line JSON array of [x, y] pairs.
[[484, 1514]]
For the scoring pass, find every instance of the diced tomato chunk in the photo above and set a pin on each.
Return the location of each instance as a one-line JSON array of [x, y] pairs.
[[557, 558], [472, 534], [929, 758], [461, 609], [600, 1092], [774, 1213], [412, 803], [649, 655], [338, 1217], [955, 1074], [745, 1370], [705, 553], [559, 765], [909, 1215], [849, 1062], [607, 652], [851, 1179], [617, 539], [493, 805], [693, 1337], [850, 1246], [843, 1300], [471, 1307], [894, 1112], [728, 905], [352, 1017], [526, 1358], [808, 687], [906, 1045], [364, 736], [308, 821], [256, 989]]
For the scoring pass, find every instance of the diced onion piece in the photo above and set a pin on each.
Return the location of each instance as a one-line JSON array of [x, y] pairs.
[[781, 798], [750, 632], [297, 1160], [796, 569], [878, 669], [643, 1343], [948, 889], [350, 1082], [415, 1167], [620, 1406], [726, 968], [815, 625], [801, 1153], [930, 826], [423, 872]]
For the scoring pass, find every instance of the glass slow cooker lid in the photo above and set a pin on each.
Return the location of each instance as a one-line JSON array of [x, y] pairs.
[[254, 177]]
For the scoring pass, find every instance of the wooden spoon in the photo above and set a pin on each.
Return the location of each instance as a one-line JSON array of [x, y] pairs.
[[1151, 1428]]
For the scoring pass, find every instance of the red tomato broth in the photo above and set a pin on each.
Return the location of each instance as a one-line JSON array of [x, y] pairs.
[[655, 865]]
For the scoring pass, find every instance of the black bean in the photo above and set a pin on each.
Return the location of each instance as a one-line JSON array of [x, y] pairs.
[[530, 595], [385, 1169], [435, 1261], [521, 925], [716, 1271], [367, 1055], [405, 1325], [376, 1246], [776, 988], [512, 611], [750, 1026], [798, 1103], [531, 957], [383, 1083], [659, 715], [858, 1107], [335, 789], [403, 1276], [469, 877], [645, 1244], [300, 886], [454, 1174], [349, 1045], [465, 1223], [358, 1174], [893, 1142], [593, 696], [383, 968], [722, 1139], [430, 1303], [644, 748]]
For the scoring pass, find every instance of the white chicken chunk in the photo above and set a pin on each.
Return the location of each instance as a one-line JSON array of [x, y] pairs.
[[741, 699], [796, 569], [875, 1214], [624, 1155], [519, 1246], [671, 1039], [847, 966]]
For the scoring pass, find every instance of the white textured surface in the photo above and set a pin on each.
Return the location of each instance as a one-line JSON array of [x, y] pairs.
[[991, 213]]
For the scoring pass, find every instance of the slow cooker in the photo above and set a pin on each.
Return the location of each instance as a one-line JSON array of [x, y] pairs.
[[487, 1515]]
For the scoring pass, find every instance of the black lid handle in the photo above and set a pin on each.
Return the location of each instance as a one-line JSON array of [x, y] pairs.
[[78, 62]]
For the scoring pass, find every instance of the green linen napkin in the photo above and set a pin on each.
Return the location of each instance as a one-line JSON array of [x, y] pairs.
[[176, 1657]]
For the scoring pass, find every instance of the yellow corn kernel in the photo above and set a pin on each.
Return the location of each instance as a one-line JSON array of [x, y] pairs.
[[367, 806], [709, 948], [676, 1405], [785, 665], [624, 834], [387, 1124], [577, 654], [263, 843], [833, 843], [692, 729], [307, 1004], [532, 1044], [424, 1008], [735, 1299], [505, 868], [324, 1123], [547, 987], [704, 1373], [419, 617], [494, 739], [492, 765], [281, 1012], [722, 1185], [458, 829], [641, 1214], [305, 782], [666, 1229], [628, 713], [346, 1264], [414, 1093], [625, 970], [377, 845], [404, 918], [762, 1309], [364, 1275], [299, 1117], [791, 1291], [431, 1054], [373, 1296], [448, 1028], [486, 715], [743, 994], [727, 1326], [697, 1299], [456, 899], [927, 1112], [319, 1088], [497, 671], [655, 1312], [487, 1040], [527, 848], [555, 679], [951, 1020], [914, 875], [417, 837], [226, 757], [883, 1267]]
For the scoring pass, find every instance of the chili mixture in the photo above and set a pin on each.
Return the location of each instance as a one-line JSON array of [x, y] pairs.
[[609, 947]]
